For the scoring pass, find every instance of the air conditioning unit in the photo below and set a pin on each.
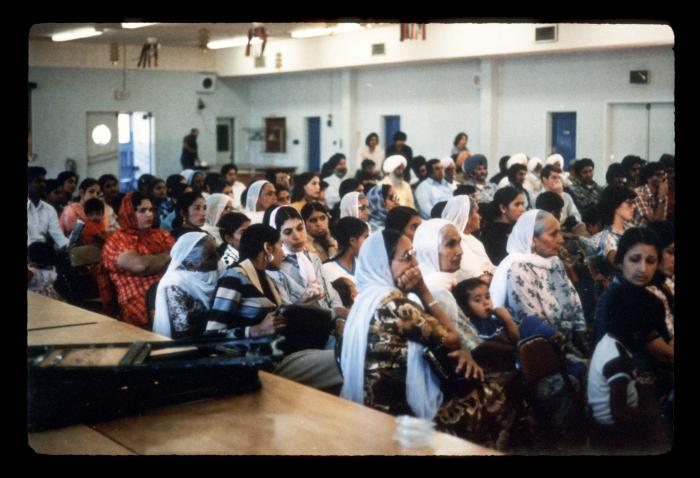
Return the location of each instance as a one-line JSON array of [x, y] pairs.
[[207, 83]]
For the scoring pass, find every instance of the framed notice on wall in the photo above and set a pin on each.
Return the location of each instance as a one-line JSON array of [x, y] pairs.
[[275, 135]]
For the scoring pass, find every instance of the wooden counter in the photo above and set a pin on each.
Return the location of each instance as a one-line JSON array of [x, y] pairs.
[[283, 418]]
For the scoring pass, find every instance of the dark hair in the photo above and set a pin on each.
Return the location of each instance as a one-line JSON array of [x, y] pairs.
[[254, 238], [464, 190], [436, 211], [549, 201], [514, 170], [615, 170], [665, 232], [178, 190], [41, 253], [503, 197], [228, 167], [458, 137], [154, 182], [610, 199], [34, 172], [391, 242], [370, 136], [343, 286], [330, 165], [502, 163], [279, 188], [94, 206], [365, 176], [548, 170], [192, 182], [462, 292], [399, 135], [634, 236], [285, 213], [105, 178], [629, 161], [230, 222], [324, 185], [171, 181], [385, 190], [667, 160], [144, 182], [416, 163], [347, 186], [628, 307], [399, 217], [65, 176], [649, 170], [137, 197], [580, 164], [346, 229], [182, 205], [310, 207], [299, 182], [214, 182], [367, 163], [87, 183], [52, 185], [430, 164], [244, 196], [590, 215]]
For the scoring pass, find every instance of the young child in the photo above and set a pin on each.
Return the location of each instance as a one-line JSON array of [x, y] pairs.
[[473, 297], [41, 267], [93, 233]]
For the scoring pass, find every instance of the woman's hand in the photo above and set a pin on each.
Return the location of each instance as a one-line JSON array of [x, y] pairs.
[[411, 280], [271, 324], [451, 340], [466, 361], [311, 295]]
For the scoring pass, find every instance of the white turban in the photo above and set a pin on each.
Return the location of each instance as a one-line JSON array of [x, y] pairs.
[[533, 163], [556, 159], [447, 163], [393, 162], [517, 158]]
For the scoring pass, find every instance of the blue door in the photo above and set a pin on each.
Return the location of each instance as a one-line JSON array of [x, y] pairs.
[[314, 142], [392, 124], [564, 136]]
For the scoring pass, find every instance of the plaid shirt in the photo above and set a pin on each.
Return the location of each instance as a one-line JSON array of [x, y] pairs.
[[131, 288], [646, 202], [585, 195]]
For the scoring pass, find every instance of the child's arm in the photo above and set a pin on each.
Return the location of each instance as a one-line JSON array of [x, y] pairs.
[[511, 329]]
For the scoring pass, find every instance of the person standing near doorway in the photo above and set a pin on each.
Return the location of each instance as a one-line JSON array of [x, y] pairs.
[[189, 155]]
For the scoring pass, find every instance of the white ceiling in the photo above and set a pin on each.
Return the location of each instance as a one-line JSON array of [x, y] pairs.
[[171, 34]]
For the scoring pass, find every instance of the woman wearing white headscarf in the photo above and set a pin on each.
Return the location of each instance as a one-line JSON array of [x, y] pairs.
[[531, 280], [258, 199], [355, 204], [184, 293], [217, 205], [463, 213]]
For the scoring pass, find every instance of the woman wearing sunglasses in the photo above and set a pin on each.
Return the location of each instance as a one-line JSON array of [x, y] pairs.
[[382, 199]]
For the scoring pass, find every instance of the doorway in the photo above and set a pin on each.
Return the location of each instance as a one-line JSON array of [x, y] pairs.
[[224, 141], [392, 124], [564, 136], [136, 148], [313, 127]]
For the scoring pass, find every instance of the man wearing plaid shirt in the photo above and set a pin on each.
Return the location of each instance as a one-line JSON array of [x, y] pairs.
[[584, 190], [652, 198]]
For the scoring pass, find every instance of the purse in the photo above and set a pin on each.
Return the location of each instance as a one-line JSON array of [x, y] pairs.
[[307, 327]]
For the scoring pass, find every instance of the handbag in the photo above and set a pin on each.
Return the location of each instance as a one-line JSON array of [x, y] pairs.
[[307, 327]]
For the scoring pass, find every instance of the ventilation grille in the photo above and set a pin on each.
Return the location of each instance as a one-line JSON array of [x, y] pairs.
[[378, 49], [546, 34]]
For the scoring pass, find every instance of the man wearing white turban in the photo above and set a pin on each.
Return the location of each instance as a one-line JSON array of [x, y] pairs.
[[532, 183], [558, 161], [394, 167], [517, 158], [449, 168]]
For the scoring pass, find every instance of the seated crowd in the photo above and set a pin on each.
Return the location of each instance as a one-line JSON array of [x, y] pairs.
[[530, 311]]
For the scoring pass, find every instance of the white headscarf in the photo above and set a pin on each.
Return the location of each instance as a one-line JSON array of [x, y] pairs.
[[517, 158], [375, 283], [556, 159], [215, 208], [427, 245], [393, 162], [519, 248], [457, 211], [306, 267], [251, 200], [199, 285], [349, 205]]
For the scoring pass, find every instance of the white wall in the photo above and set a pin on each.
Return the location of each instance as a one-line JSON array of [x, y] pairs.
[[65, 95], [532, 86]]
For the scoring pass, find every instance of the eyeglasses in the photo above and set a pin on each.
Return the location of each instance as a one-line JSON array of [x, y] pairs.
[[407, 256]]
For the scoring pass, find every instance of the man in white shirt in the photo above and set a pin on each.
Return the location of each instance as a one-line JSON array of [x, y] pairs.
[[42, 220], [551, 181], [449, 168], [394, 168], [332, 172], [230, 174], [432, 189]]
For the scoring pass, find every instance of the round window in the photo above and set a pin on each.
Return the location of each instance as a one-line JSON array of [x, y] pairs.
[[101, 135]]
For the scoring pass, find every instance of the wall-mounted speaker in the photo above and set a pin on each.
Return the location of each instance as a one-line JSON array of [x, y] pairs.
[[207, 83]]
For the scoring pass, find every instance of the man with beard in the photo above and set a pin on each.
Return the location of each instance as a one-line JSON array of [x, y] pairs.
[[584, 190], [332, 172], [632, 166], [433, 189], [394, 167], [476, 169], [448, 166]]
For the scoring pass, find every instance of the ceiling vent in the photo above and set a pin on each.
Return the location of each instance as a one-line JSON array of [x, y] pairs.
[[546, 34], [378, 49], [207, 83]]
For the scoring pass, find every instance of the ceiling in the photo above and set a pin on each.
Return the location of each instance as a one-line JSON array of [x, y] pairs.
[[171, 34]]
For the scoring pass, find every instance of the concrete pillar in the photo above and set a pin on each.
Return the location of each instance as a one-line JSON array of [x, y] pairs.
[[489, 107]]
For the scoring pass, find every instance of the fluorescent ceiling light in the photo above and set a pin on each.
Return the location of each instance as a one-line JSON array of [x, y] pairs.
[[232, 42], [317, 32], [136, 25], [75, 34]]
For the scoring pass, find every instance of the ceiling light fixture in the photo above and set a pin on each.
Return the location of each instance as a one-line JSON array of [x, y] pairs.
[[232, 43], [131, 26], [317, 32], [76, 34]]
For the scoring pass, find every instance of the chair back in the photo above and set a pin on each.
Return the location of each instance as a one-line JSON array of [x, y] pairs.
[[84, 255]]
